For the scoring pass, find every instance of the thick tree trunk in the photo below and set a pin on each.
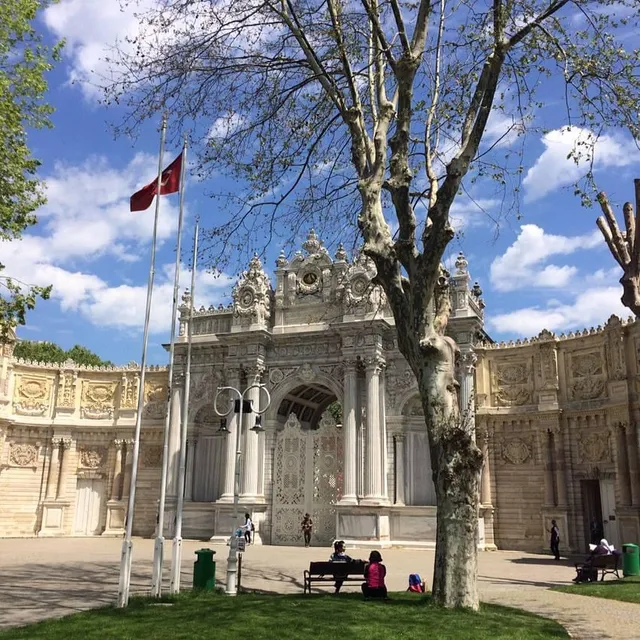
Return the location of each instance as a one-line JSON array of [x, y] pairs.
[[456, 462]]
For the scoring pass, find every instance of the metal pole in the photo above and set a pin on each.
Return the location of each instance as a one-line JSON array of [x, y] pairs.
[[232, 559], [127, 544], [176, 555], [158, 548]]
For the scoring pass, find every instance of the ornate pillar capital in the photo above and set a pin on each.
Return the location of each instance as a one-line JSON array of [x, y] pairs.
[[468, 360], [374, 364], [66, 443], [118, 443]]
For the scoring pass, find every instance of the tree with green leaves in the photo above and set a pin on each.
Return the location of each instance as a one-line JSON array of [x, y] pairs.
[[51, 352], [371, 117], [24, 62]]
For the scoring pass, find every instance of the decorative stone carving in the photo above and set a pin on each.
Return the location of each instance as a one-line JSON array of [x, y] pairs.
[[129, 394], [413, 407], [548, 366], [23, 455], [516, 451], [67, 390], [614, 349], [151, 455], [307, 372], [203, 385], [98, 399], [512, 383], [207, 415], [309, 280], [32, 396], [252, 294], [358, 286], [397, 382], [307, 349], [92, 458], [156, 400], [594, 447], [588, 381]]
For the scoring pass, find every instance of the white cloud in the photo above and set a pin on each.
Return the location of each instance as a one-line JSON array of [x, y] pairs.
[[523, 263], [90, 28], [87, 218], [466, 212], [553, 169], [226, 125], [591, 307], [502, 130]]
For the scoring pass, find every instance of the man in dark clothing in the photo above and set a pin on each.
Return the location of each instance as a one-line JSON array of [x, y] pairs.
[[555, 540]]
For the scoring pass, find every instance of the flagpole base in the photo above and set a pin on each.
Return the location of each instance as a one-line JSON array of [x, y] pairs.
[[158, 562], [125, 573], [176, 564]]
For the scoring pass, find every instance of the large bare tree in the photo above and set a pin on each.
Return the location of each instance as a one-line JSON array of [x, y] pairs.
[[368, 115], [624, 246]]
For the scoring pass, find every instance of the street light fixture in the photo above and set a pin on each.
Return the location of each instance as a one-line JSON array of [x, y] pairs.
[[239, 406]]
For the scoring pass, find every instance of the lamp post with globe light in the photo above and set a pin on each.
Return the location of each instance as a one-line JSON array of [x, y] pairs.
[[239, 406]]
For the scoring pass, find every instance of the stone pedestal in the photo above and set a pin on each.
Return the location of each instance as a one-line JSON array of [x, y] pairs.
[[116, 512], [53, 514]]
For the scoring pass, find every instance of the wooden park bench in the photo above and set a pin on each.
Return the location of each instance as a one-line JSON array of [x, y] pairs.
[[603, 564], [326, 573]]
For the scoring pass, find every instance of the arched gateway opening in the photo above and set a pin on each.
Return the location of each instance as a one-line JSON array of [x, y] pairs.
[[308, 460]]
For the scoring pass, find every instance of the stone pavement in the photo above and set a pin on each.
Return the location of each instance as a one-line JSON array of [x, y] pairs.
[[41, 578]]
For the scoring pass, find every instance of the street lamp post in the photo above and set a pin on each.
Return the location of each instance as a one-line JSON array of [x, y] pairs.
[[238, 407]]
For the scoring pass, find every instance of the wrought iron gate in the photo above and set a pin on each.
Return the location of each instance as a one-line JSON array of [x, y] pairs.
[[307, 479]]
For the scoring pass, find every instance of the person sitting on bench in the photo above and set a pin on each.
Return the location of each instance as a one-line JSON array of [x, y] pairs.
[[374, 574], [587, 573], [339, 555]]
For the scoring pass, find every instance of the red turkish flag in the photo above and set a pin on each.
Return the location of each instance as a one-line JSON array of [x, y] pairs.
[[170, 183]]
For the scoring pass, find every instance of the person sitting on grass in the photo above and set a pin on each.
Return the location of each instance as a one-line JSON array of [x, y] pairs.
[[374, 574], [339, 555]]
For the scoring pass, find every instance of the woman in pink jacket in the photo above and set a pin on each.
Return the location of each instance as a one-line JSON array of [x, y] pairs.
[[374, 574]]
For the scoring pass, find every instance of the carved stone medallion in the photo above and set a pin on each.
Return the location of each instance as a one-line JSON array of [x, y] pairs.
[[92, 458], [23, 455], [32, 396], [516, 451], [98, 399], [594, 447]]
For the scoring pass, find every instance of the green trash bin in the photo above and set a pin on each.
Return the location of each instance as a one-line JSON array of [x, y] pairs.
[[630, 560], [204, 570]]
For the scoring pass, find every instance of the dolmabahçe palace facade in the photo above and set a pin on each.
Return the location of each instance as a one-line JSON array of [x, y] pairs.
[[556, 418]]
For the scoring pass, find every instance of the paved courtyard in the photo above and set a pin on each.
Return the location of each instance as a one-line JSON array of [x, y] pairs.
[[40, 578]]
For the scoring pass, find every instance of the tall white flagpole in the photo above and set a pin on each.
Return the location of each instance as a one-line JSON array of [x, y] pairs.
[[176, 555], [127, 544], [158, 548]]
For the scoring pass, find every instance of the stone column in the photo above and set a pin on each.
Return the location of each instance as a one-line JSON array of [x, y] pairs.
[[633, 465], [485, 486], [251, 459], [349, 490], [128, 465], [116, 485], [399, 469], [549, 497], [190, 471], [228, 484], [373, 448], [175, 423], [622, 466], [54, 469], [561, 481], [384, 454], [467, 405], [64, 467]]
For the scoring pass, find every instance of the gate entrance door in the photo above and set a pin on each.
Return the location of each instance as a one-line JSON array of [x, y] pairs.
[[307, 479]]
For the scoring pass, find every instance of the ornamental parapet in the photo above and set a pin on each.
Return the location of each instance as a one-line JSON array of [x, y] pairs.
[[40, 392]]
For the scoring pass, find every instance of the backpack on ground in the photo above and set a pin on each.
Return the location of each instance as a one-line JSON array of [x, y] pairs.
[[415, 583]]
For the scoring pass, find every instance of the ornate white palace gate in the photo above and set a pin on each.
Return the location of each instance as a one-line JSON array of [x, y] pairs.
[[307, 479]]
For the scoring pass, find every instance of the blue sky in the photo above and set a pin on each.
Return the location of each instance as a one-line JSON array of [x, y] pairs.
[[549, 269]]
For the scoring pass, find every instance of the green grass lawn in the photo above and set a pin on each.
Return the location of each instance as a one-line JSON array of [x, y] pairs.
[[627, 589], [279, 617]]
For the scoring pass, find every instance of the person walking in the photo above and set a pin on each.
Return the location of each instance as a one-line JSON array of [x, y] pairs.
[[307, 528], [248, 528], [554, 542]]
